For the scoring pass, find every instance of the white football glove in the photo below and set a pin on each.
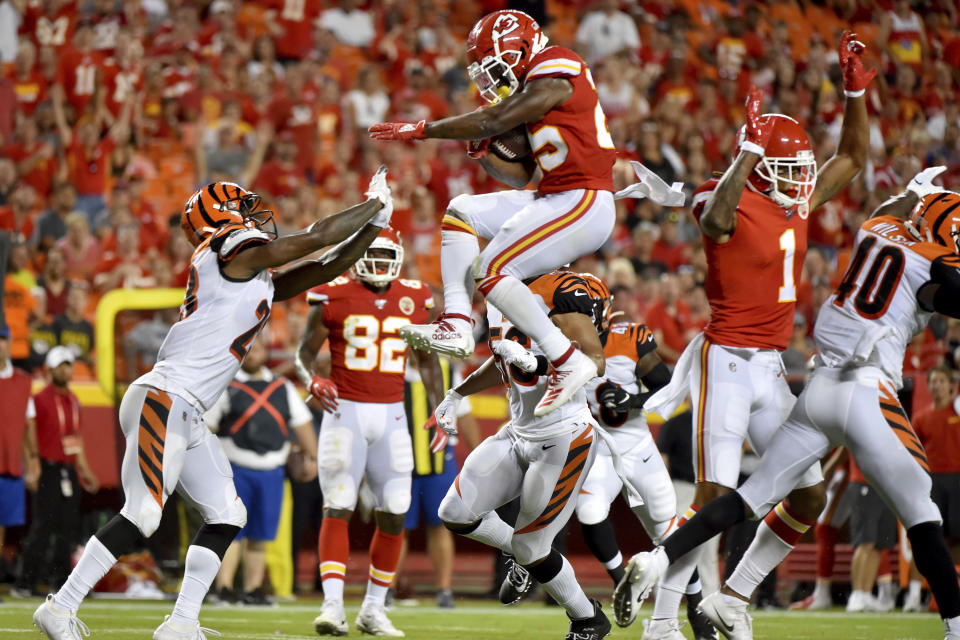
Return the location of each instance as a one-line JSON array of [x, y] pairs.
[[514, 353], [653, 187], [922, 183], [378, 189], [446, 412]]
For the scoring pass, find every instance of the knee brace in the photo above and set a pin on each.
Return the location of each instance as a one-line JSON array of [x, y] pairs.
[[216, 537]]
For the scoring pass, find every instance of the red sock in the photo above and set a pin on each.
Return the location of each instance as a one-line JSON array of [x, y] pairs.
[[787, 526], [333, 548], [384, 556], [826, 537], [883, 569]]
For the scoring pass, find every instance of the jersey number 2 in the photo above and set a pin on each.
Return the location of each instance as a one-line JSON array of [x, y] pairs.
[[242, 342], [367, 350]]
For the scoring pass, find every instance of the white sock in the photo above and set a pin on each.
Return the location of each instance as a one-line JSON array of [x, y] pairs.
[[913, 589], [820, 589], [673, 585], [614, 562], [376, 595], [567, 592], [520, 307], [457, 253], [493, 532], [952, 625], [332, 589], [694, 587], [202, 565], [94, 564], [762, 556]]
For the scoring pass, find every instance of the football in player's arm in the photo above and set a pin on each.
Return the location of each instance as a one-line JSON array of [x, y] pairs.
[[719, 218]]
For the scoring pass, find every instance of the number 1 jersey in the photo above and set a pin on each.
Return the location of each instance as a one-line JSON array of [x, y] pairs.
[[367, 355], [752, 277]]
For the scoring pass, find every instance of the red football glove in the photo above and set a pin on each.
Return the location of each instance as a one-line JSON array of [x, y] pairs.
[[440, 437], [325, 392], [756, 134], [855, 77], [477, 149], [398, 131]]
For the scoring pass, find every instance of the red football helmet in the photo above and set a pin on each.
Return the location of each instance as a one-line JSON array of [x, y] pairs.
[[787, 173], [377, 266], [936, 218], [499, 49]]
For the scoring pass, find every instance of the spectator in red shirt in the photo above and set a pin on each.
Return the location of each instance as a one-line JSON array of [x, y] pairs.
[[52, 225], [64, 470], [8, 179], [29, 85], [281, 176], [35, 158], [17, 216], [668, 249], [81, 250], [294, 21], [669, 318], [78, 72], [938, 429], [51, 23]]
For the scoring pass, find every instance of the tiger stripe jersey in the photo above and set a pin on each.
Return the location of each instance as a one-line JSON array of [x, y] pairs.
[[557, 292], [367, 354], [875, 310], [571, 143], [219, 318], [625, 343]]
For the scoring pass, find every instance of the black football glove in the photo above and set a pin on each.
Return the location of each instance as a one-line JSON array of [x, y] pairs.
[[612, 396]]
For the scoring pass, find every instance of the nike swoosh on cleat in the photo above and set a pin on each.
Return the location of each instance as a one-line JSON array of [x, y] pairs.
[[647, 458], [726, 625]]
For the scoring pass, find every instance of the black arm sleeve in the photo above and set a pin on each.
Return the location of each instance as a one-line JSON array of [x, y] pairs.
[[942, 292], [657, 378]]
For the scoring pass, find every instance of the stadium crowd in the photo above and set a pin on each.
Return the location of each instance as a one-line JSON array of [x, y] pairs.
[[110, 112]]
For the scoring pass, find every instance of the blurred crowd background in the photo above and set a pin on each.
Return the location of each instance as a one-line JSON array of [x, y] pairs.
[[113, 112]]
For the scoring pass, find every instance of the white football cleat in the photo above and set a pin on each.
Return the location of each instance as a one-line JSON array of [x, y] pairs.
[[729, 615], [373, 619], [170, 631], [332, 620], [643, 572], [816, 601], [450, 334], [912, 602], [663, 630], [564, 381], [57, 623]]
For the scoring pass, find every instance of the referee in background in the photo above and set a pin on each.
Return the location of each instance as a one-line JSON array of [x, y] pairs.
[[433, 473]]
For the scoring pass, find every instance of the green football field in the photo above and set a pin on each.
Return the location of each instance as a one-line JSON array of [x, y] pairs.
[[473, 619]]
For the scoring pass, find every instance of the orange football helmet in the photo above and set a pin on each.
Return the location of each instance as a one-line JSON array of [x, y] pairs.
[[603, 301], [936, 218], [499, 49], [219, 204]]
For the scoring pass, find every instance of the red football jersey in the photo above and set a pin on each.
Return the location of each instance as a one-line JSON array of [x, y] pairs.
[[367, 356], [752, 277], [571, 143], [77, 73], [119, 84]]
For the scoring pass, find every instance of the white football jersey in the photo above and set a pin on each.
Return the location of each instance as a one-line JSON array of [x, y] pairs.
[[874, 313], [219, 319], [625, 344], [526, 389]]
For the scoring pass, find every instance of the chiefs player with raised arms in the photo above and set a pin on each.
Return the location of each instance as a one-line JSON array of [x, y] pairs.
[[364, 434], [230, 290], [905, 265], [543, 460], [550, 91], [754, 225]]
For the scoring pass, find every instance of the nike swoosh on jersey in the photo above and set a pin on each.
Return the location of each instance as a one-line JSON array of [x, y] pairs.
[[548, 446]]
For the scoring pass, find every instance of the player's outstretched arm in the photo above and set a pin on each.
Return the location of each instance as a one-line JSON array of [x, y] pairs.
[[296, 279], [530, 105], [901, 204], [851, 154], [485, 377], [428, 365], [579, 328], [314, 335], [942, 292], [719, 217]]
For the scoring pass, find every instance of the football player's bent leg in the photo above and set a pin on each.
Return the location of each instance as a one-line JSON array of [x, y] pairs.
[[156, 437], [880, 438], [648, 474], [491, 476], [593, 506], [547, 500], [206, 482], [550, 231]]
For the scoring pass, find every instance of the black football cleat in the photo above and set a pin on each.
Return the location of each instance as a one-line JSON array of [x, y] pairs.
[[593, 628], [516, 584]]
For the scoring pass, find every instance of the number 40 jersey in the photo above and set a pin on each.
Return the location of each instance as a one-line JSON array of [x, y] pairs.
[[367, 355]]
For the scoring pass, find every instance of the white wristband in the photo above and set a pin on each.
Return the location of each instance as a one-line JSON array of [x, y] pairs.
[[752, 147], [853, 94], [454, 396]]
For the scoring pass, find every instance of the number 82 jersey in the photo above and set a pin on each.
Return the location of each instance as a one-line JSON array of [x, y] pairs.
[[367, 355]]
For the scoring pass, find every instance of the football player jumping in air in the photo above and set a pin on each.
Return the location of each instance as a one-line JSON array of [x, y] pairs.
[[754, 225], [364, 434], [550, 92], [230, 290], [543, 460], [905, 265]]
